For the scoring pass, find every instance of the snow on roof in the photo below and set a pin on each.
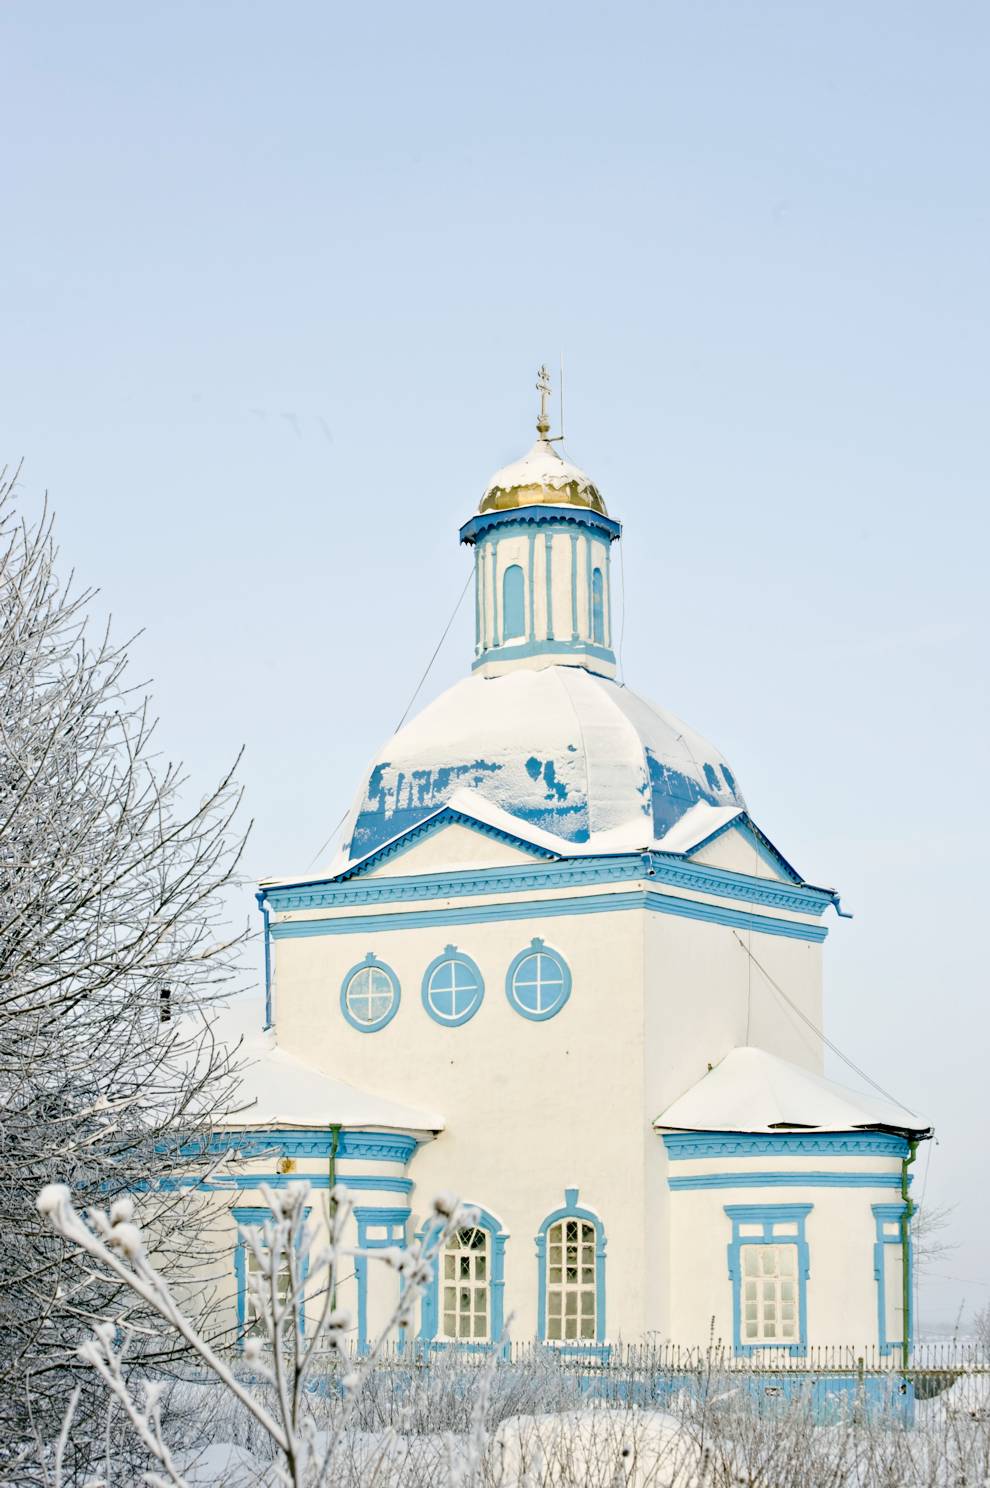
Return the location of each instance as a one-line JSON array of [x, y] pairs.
[[753, 1091], [277, 1089], [565, 750], [541, 469], [700, 822]]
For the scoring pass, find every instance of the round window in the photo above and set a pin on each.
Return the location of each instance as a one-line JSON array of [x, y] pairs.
[[369, 997], [452, 988], [538, 982]]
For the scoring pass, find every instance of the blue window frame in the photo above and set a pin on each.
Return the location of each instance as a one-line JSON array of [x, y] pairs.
[[453, 987], [513, 603], [256, 1216], [464, 1305], [378, 1228], [369, 995], [538, 982], [570, 1256], [768, 1267], [888, 1269], [598, 608]]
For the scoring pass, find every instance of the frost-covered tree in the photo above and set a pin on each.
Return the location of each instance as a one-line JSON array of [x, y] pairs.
[[297, 1383], [111, 948]]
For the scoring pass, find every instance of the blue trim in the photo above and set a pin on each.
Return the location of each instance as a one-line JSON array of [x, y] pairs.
[[384, 1146], [768, 1215], [532, 590], [266, 931], [785, 1180], [495, 584], [570, 1210], [430, 1307], [574, 614], [282, 1180], [527, 649], [587, 580], [452, 954], [537, 947], [553, 872], [522, 518], [257, 1215], [888, 1214], [548, 541], [369, 1217], [685, 1146], [370, 960], [536, 909]]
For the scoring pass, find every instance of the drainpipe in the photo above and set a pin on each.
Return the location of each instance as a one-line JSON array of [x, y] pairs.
[[332, 1176], [906, 1216], [332, 1164], [263, 907]]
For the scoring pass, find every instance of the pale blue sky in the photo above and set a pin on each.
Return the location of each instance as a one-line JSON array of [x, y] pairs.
[[276, 279]]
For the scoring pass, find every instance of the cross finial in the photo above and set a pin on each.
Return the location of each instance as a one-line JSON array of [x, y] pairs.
[[543, 388]]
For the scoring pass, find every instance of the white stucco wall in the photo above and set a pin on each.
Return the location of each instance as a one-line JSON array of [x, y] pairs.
[[840, 1232], [531, 1108]]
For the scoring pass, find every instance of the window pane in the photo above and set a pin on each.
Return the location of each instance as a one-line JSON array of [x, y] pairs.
[[465, 1305]]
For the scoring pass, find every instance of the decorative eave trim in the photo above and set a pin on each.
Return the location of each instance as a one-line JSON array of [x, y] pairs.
[[535, 909], [384, 1146], [540, 516], [784, 1180], [555, 873], [687, 1146]]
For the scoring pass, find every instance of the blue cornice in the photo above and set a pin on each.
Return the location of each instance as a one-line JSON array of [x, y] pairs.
[[316, 1142], [785, 1180], [537, 909], [686, 1146], [237, 1182], [557, 873], [525, 649], [525, 517]]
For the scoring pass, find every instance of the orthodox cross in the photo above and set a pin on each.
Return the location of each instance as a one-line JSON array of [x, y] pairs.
[[543, 388]]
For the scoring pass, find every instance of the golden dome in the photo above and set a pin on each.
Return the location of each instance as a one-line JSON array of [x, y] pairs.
[[541, 478]]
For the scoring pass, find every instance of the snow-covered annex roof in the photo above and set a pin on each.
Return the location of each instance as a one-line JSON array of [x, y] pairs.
[[699, 824], [753, 1091], [275, 1089]]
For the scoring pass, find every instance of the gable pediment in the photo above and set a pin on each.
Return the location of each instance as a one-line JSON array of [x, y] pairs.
[[738, 849], [448, 844]]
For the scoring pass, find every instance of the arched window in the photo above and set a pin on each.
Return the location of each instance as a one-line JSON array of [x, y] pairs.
[[513, 603], [538, 982], [463, 1304], [570, 1250], [465, 1271], [452, 988], [598, 608], [369, 996]]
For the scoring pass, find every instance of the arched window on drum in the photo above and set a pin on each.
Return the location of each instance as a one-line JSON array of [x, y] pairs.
[[598, 608], [513, 603]]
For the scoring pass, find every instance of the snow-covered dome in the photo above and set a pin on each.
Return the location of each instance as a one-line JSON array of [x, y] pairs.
[[558, 748], [541, 478]]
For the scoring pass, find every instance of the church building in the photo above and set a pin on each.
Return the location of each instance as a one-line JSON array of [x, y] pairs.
[[559, 970]]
